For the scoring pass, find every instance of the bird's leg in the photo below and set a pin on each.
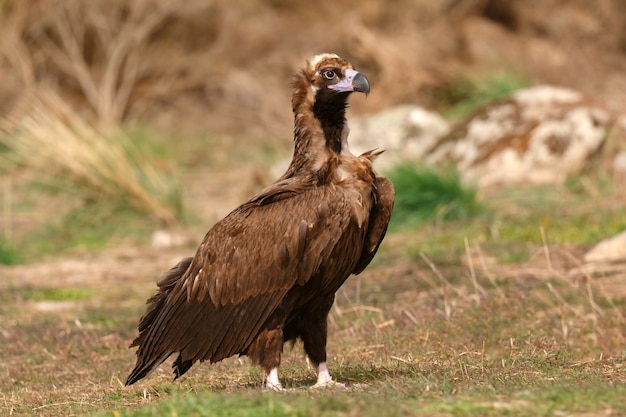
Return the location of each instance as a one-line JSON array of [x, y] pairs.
[[314, 335], [266, 350], [272, 381], [324, 379], [323, 376]]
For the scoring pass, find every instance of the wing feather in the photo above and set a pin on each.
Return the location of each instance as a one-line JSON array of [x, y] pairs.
[[241, 272], [384, 196], [278, 243]]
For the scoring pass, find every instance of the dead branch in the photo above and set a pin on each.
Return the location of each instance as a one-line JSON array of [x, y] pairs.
[[96, 46]]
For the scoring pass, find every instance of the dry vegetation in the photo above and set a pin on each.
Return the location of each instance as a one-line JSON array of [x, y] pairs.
[[443, 331], [101, 165], [494, 316], [203, 66]]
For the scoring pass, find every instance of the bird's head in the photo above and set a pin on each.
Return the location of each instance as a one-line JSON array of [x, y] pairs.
[[319, 103], [330, 74], [327, 80], [324, 86]]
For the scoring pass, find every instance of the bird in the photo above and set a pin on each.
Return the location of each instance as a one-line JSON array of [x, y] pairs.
[[267, 273]]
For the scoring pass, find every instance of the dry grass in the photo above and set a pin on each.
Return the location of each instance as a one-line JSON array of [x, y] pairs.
[[95, 49], [470, 337], [445, 322], [47, 137]]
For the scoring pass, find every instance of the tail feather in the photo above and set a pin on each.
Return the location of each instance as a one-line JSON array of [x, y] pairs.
[[143, 369], [156, 303], [180, 367]]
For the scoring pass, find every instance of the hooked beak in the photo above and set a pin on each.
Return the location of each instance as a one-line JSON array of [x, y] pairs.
[[353, 81]]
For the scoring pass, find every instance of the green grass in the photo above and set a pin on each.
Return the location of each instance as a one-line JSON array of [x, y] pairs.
[[464, 95], [91, 226], [211, 404], [8, 254], [58, 294], [491, 313], [430, 194], [411, 391], [514, 225], [98, 164]]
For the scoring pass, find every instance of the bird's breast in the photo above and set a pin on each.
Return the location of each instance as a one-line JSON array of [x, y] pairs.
[[353, 176]]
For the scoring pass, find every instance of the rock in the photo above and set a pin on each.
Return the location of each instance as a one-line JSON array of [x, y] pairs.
[[612, 249], [164, 239], [405, 132], [539, 135], [619, 170]]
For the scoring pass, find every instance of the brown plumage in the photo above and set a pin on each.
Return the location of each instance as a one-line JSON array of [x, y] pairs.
[[268, 272]]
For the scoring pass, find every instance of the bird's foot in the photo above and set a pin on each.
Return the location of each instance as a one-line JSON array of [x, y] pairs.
[[273, 383], [324, 379], [275, 388], [329, 384]]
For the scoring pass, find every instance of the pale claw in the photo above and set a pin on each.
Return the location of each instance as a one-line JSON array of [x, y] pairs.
[[273, 383], [329, 383], [276, 388], [324, 379]]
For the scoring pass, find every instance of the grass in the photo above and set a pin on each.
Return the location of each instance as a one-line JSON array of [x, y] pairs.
[[99, 185], [463, 95], [427, 193], [444, 322], [57, 294], [97, 164], [88, 227], [512, 225], [8, 254], [359, 402]]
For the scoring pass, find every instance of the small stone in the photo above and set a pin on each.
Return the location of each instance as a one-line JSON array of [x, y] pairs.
[[612, 249]]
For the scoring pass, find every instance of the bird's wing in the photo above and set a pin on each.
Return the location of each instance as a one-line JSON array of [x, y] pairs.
[[242, 270], [384, 196], [269, 244]]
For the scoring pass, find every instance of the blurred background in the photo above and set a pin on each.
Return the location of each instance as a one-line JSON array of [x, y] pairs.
[[179, 110]]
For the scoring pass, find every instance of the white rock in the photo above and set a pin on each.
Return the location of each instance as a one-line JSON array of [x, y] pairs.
[[539, 135], [163, 239], [405, 132], [612, 249]]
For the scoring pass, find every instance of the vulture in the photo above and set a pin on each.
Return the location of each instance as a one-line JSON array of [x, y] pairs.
[[268, 272]]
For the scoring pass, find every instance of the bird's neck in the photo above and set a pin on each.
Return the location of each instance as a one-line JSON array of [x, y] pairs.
[[320, 133], [331, 115]]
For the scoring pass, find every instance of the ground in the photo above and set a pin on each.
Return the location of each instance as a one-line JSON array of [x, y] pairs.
[[447, 320]]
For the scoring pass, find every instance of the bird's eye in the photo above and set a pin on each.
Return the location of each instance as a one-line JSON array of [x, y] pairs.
[[328, 74]]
